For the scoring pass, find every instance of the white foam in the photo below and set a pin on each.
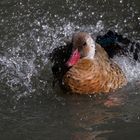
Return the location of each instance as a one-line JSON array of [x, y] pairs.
[[129, 66]]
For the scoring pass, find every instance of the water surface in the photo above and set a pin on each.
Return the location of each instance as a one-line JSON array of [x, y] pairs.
[[30, 107]]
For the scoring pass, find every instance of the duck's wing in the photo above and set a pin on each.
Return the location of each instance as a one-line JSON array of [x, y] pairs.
[[116, 44], [59, 57]]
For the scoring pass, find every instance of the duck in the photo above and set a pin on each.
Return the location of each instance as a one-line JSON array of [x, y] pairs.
[[91, 71], [86, 67]]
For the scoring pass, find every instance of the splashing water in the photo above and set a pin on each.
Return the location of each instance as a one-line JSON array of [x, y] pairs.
[[24, 64], [28, 55], [130, 67]]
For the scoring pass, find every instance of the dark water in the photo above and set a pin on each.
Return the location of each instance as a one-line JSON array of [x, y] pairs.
[[30, 107]]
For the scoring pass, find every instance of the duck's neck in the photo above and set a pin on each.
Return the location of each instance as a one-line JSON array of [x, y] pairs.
[[91, 52]]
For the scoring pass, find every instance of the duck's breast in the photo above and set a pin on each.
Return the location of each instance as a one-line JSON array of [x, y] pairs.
[[84, 77]]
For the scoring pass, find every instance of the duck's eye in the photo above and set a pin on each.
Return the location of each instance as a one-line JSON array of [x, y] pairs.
[[84, 43]]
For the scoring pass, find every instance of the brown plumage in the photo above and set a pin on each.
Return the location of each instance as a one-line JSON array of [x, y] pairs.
[[94, 72]]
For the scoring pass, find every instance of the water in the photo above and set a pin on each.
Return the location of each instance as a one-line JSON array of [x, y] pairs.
[[30, 107]]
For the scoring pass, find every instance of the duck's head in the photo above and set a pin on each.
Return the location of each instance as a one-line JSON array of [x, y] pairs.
[[83, 47]]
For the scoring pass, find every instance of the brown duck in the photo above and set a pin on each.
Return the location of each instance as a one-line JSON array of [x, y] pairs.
[[91, 70]]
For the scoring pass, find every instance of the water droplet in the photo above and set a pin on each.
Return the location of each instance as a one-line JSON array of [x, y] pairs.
[[99, 25], [38, 39], [92, 13], [124, 21], [121, 1], [80, 14], [101, 16]]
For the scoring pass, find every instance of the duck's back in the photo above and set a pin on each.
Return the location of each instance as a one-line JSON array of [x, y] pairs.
[[94, 76]]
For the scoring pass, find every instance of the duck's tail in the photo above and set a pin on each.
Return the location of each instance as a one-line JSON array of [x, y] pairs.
[[116, 44]]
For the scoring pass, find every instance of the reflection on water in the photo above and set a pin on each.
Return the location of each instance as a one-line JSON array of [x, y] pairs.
[[30, 107]]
